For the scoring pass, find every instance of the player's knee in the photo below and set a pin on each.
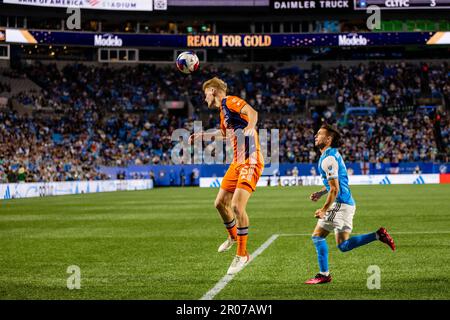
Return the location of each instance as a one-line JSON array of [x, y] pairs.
[[317, 239], [238, 211], [343, 247], [220, 204]]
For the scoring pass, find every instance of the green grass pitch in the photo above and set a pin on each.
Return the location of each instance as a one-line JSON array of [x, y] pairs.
[[162, 244]]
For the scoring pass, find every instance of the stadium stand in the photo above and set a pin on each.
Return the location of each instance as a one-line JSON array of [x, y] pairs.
[[66, 121]]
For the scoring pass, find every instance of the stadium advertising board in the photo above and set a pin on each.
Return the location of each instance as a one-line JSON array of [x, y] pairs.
[[402, 4], [42, 189], [225, 40], [382, 179], [122, 5], [308, 5]]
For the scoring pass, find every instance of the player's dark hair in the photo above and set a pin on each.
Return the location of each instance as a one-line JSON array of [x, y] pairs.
[[334, 134]]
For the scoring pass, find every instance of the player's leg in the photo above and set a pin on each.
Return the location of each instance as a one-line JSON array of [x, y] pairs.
[[343, 220], [319, 235], [223, 206], [320, 243], [247, 180], [343, 225], [239, 204], [346, 243], [249, 174]]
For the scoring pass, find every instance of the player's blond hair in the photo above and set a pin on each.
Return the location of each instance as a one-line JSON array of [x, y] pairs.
[[215, 83]]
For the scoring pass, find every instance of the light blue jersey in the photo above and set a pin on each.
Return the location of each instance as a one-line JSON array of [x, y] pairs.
[[332, 166]]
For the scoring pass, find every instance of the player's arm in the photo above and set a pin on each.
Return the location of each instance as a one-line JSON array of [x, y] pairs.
[[331, 167], [332, 194], [252, 115], [317, 195], [218, 134]]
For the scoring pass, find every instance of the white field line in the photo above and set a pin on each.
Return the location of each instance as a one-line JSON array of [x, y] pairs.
[[227, 278]]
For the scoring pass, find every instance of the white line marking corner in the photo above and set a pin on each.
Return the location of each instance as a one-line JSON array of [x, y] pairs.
[[227, 278]]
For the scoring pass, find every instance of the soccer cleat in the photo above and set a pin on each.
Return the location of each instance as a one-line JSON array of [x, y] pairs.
[[226, 245], [238, 264], [385, 237], [318, 279]]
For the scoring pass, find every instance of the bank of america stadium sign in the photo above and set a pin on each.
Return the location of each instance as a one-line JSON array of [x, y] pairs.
[[128, 5]]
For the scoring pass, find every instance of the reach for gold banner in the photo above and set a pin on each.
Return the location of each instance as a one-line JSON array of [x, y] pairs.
[[230, 40], [292, 40]]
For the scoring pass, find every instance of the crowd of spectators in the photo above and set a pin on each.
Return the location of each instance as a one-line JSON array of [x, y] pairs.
[[269, 89], [71, 149], [382, 85], [103, 116], [375, 139], [4, 87], [142, 88], [34, 150]]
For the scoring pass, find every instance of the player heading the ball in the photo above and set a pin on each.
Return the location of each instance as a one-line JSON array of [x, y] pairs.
[[238, 123]]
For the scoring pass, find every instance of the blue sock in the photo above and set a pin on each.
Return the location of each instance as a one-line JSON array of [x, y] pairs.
[[357, 241], [322, 252]]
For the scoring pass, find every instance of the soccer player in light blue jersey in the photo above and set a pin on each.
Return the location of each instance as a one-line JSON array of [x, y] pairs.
[[339, 208]]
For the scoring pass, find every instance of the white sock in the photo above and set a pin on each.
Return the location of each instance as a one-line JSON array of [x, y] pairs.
[[326, 273]]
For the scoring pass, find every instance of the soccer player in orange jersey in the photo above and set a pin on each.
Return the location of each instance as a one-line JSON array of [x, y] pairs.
[[238, 123]]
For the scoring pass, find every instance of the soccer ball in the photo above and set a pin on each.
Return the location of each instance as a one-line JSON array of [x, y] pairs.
[[187, 62]]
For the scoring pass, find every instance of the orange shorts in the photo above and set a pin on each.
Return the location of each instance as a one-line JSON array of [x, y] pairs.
[[244, 176]]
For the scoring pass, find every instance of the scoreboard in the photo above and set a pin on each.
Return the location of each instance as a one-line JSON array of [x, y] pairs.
[[356, 5], [402, 4]]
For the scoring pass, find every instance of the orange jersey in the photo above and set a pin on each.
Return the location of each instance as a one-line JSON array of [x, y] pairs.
[[248, 163], [245, 149]]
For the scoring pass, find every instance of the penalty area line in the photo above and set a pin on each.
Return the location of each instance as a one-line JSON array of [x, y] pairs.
[[227, 278]]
